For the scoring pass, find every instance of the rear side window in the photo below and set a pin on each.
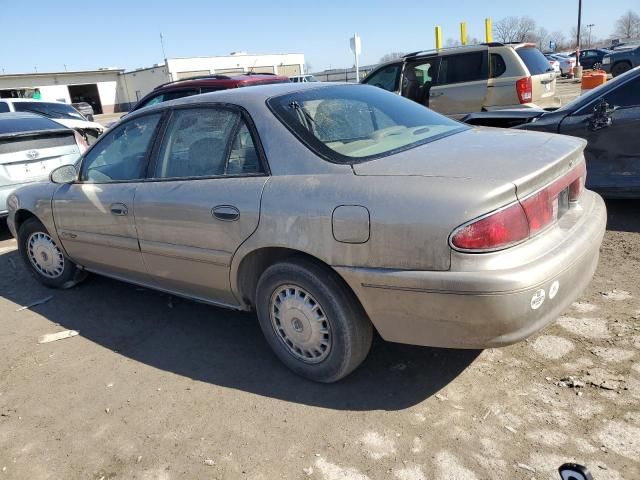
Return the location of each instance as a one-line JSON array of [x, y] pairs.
[[534, 60], [467, 67], [497, 65], [386, 78], [206, 142]]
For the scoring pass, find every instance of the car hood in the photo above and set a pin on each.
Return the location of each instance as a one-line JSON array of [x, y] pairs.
[[528, 160], [75, 124]]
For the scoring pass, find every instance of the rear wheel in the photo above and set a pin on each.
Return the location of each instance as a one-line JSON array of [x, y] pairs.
[[597, 66], [312, 320], [44, 258], [620, 68]]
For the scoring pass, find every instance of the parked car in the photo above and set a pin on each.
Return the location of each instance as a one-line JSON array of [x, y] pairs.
[[567, 64], [460, 80], [608, 117], [621, 61], [303, 78], [58, 112], [555, 64], [591, 58], [30, 147], [85, 109], [330, 210], [205, 84]]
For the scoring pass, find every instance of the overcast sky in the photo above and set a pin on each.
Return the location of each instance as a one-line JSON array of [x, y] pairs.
[[48, 35]]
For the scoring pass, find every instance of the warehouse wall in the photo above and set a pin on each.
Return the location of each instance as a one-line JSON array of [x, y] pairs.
[[135, 85], [259, 63]]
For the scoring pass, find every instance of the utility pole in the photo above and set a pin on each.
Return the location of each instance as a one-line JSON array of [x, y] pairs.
[[578, 66], [590, 26]]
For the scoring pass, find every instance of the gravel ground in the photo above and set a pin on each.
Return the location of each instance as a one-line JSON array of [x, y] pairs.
[[159, 388]]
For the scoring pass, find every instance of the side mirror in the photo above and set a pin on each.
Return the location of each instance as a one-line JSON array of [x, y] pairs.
[[64, 174]]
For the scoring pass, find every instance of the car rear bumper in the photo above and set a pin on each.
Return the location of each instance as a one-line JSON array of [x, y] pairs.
[[482, 308]]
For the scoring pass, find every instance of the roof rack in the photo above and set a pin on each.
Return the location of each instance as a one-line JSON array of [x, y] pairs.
[[257, 73], [199, 77], [436, 50]]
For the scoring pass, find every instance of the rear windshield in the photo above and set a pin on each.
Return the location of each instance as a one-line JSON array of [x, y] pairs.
[[26, 124], [49, 109], [534, 60], [350, 123]]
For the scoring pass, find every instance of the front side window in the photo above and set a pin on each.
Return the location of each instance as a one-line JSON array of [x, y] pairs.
[[349, 123], [467, 67], [4, 107], [627, 95], [206, 142], [386, 78], [122, 153]]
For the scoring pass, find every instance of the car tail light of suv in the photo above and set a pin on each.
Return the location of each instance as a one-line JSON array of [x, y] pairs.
[[523, 219], [524, 89]]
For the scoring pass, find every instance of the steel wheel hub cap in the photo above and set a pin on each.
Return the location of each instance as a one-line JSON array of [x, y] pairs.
[[45, 256], [300, 323]]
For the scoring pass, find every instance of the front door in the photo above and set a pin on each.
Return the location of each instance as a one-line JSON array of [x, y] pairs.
[[613, 153], [94, 216], [462, 83], [202, 201]]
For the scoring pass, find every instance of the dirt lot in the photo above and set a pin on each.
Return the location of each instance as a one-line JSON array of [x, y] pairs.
[[159, 388]]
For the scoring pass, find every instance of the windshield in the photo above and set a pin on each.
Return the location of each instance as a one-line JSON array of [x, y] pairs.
[[534, 60], [348, 123], [49, 109], [599, 90]]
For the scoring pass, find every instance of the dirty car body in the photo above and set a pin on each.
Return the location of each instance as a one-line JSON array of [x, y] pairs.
[[608, 117], [434, 232]]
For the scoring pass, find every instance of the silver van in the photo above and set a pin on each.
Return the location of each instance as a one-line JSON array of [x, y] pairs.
[[461, 80]]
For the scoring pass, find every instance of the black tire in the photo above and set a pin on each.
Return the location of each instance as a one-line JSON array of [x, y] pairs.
[[620, 68], [350, 331], [69, 274]]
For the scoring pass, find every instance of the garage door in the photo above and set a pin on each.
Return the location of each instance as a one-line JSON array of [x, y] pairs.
[[289, 70]]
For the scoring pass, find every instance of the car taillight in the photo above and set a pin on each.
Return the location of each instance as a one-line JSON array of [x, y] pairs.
[[524, 89], [522, 220], [82, 143]]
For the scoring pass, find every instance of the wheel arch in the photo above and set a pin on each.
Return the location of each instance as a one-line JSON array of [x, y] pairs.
[[255, 262], [21, 216]]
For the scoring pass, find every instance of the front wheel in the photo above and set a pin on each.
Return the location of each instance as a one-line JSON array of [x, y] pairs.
[[596, 66], [44, 258], [312, 320]]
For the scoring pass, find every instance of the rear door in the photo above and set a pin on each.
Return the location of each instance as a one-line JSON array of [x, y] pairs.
[[201, 202], [461, 85], [613, 153], [543, 77]]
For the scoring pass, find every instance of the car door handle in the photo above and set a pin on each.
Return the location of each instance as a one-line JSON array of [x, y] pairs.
[[227, 213], [119, 209]]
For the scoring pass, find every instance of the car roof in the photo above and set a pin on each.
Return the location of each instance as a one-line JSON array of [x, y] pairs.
[[35, 100], [223, 81], [253, 96]]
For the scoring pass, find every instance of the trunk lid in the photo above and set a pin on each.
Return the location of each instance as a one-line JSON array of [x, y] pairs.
[[528, 160], [31, 156]]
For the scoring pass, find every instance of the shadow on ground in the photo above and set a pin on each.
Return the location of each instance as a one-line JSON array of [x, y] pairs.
[[226, 348], [623, 215]]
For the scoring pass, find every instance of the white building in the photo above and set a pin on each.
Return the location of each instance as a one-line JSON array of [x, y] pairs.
[[111, 90], [136, 84], [98, 88]]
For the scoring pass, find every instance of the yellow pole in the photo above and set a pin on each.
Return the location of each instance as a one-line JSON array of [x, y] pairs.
[[438, 37], [463, 33], [487, 30]]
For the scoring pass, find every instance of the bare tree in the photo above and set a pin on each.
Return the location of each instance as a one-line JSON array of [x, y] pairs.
[[515, 29], [628, 25], [391, 56], [542, 38], [454, 42], [573, 37], [308, 67]]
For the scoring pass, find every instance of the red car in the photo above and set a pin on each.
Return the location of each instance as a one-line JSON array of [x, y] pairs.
[[205, 84]]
